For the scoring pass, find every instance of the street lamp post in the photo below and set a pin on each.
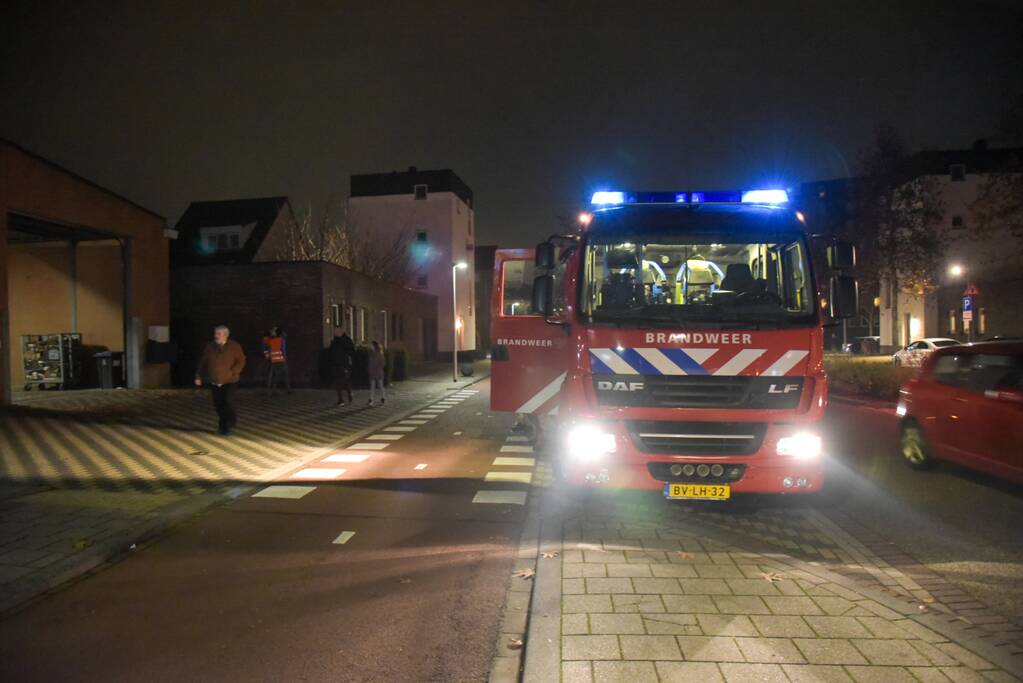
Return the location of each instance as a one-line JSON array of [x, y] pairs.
[[455, 267]]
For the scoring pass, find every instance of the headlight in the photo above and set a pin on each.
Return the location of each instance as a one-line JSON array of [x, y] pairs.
[[900, 409], [802, 446], [588, 441]]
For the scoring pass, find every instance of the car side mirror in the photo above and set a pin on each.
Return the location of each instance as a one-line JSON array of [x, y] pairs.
[[543, 294], [842, 256], [844, 299], [545, 257]]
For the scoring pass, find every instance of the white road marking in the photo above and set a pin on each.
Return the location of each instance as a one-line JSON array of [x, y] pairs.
[[456, 433], [424, 416], [412, 422], [500, 497], [343, 537], [516, 449], [515, 462], [385, 437], [318, 473], [517, 439], [292, 492], [347, 457], [420, 466], [399, 428], [519, 477], [366, 446]]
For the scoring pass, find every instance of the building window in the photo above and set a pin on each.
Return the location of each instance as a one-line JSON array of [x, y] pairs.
[[421, 236], [957, 172], [421, 282], [362, 324], [952, 321], [350, 321], [420, 191], [982, 321], [222, 238], [335, 315], [957, 221]]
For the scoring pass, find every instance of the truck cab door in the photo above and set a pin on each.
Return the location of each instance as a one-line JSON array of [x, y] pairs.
[[528, 354]]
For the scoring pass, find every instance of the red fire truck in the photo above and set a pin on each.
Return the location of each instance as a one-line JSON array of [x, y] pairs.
[[674, 341]]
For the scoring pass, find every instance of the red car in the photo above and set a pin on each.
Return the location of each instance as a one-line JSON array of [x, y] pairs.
[[966, 406]]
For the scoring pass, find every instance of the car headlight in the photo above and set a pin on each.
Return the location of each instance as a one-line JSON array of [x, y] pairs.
[[588, 441], [801, 446], [900, 409]]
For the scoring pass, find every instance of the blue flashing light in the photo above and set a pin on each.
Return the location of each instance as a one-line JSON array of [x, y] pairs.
[[765, 197], [695, 197], [680, 198], [608, 198]]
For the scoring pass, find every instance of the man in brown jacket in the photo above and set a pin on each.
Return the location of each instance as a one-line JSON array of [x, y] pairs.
[[222, 362]]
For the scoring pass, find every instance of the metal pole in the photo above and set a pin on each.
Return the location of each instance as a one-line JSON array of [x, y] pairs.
[[454, 324]]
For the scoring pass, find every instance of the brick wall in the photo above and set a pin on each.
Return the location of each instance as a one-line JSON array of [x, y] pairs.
[[250, 298]]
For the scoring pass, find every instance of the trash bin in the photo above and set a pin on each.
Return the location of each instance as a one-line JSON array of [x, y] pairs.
[[110, 369]]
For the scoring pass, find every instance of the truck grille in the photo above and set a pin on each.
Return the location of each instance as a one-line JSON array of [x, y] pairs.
[[698, 391], [697, 438]]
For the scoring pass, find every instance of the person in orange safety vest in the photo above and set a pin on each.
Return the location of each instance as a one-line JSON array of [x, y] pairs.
[[275, 351]]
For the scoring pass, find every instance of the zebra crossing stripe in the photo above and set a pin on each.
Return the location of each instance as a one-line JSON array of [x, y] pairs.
[[500, 497], [289, 492], [514, 462], [516, 449], [318, 473], [517, 477]]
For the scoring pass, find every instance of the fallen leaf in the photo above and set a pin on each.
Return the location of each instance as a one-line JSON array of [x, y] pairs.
[[684, 555], [83, 543], [405, 581], [525, 573], [771, 577], [923, 608], [548, 556], [514, 644], [929, 600]]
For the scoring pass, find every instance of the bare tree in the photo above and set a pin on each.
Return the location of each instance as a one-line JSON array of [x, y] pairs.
[[335, 238], [896, 218], [999, 202]]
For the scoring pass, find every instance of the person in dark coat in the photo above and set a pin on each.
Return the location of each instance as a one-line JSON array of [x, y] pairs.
[[342, 357], [221, 363]]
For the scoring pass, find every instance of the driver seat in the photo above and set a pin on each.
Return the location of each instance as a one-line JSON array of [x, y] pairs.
[[738, 278]]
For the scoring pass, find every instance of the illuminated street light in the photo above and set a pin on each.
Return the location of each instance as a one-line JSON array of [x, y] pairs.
[[955, 270], [585, 218], [455, 321]]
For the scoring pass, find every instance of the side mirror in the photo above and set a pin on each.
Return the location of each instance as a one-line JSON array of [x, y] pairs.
[[844, 298], [545, 257], [842, 256], [543, 294]]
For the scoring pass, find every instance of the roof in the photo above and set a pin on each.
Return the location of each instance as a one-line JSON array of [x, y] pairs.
[[262, 212], [399, 183], [105, 190], [977, 159]]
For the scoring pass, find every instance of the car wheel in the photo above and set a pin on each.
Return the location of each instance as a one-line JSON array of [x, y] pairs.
[[914, 447]]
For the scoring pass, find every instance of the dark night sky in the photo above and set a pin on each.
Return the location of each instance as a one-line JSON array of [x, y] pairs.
[[532, 105]]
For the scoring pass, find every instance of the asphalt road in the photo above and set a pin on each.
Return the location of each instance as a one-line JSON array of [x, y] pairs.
[[258, 590], [964, 525]]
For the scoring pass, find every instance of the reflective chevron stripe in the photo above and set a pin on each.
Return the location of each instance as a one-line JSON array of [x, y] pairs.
[[688, 361]]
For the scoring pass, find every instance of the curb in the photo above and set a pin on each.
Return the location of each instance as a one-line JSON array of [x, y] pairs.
[[113, 549], [543, 640], [873, 404]]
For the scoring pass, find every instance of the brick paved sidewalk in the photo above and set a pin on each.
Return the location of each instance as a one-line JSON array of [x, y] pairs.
[[642, 591], [85, 476]]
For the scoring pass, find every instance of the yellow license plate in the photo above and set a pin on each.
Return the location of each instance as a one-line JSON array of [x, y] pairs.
[[698, 491]]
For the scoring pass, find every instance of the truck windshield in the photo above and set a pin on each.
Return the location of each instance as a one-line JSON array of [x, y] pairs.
[[715, 280]]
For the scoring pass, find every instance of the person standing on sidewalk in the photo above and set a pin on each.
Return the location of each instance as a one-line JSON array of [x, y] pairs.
[[275, 351], [342, 355], [375, 372], [222, 362]]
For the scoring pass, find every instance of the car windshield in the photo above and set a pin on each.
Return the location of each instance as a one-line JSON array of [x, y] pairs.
[[712, 280]]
